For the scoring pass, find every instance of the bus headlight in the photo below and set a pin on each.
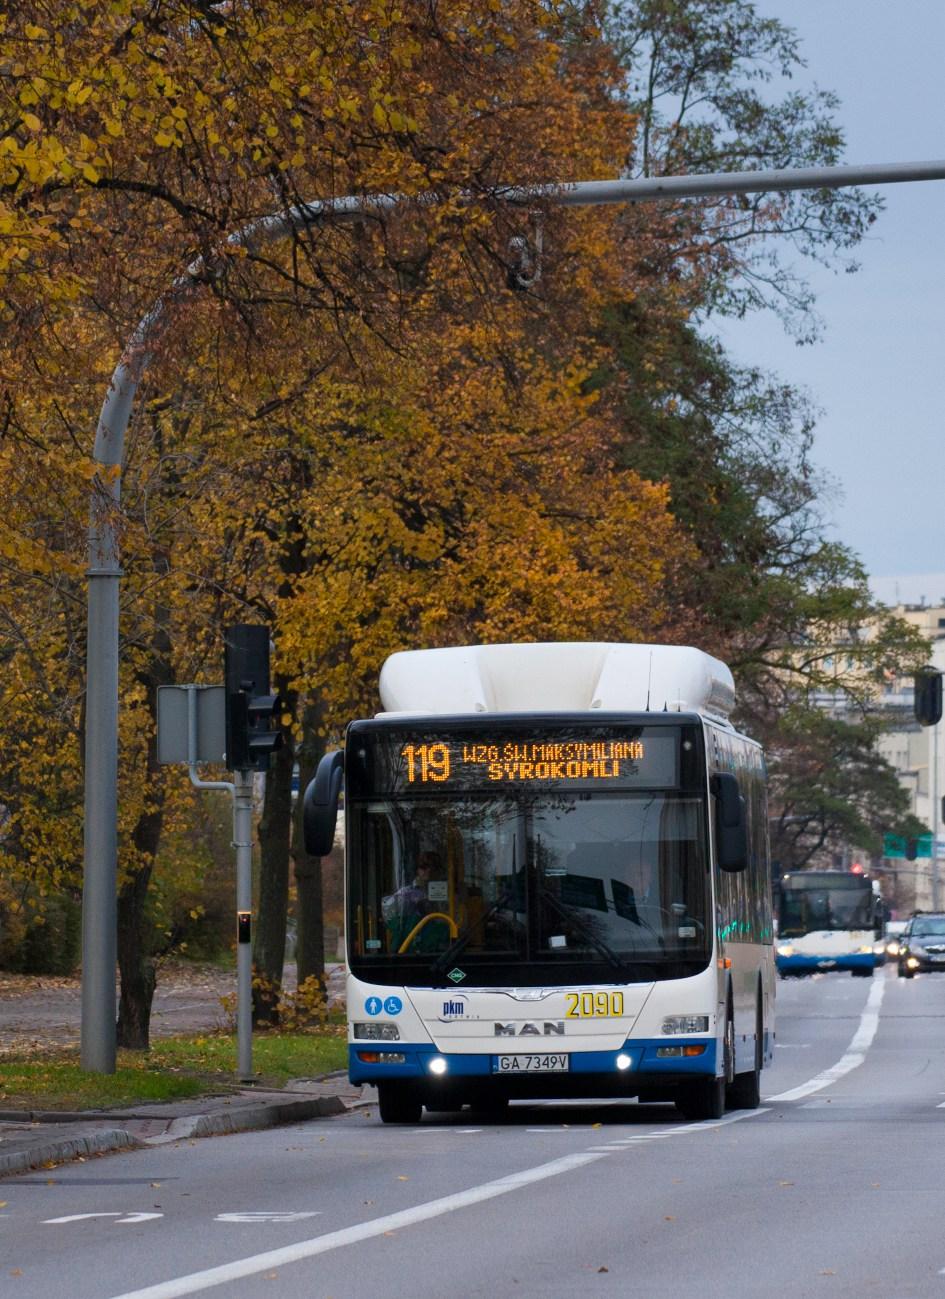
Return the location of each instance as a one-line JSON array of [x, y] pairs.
[[624, 1061], [786, 950], [686, 1024], [437, 1065]]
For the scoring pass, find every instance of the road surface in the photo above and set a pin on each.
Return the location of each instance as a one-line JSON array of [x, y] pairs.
[[833, 1188]]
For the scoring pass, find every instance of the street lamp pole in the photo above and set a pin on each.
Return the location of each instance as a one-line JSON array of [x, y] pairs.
[[99, 896]]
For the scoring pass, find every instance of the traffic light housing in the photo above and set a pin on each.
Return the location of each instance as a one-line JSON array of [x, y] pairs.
[[912, 849], [928, 696], [250, 707]]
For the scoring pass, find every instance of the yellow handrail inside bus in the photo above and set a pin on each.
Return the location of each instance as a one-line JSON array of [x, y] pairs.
[[434, 915]]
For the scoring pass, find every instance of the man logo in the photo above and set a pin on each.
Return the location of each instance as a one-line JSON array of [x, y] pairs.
[[548, 1029]]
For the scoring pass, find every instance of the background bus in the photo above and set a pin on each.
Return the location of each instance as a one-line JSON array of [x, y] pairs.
[[828, 920], [551, 888]]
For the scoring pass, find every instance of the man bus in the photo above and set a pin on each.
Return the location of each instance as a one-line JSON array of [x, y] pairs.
[[828, 920], [600, 920]]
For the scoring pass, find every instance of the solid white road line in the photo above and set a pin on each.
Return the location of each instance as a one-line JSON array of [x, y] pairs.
[[855, 1052]]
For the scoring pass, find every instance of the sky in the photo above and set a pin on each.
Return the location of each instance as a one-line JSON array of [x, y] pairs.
[[878, 373]]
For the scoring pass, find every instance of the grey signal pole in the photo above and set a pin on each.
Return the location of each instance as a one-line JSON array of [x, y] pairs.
[[99, 897]]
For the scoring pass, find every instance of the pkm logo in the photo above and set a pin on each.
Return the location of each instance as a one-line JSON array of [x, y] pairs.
[[453, 1009]]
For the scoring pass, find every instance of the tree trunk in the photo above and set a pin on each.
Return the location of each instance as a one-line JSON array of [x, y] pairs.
[[310, 921], [135, 937], [135, 963], [273, 891], [309, 918]]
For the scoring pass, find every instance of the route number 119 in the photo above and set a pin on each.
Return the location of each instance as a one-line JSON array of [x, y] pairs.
[[426, 762]]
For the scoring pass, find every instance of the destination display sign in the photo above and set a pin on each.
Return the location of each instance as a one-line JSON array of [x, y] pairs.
[[579, 760]]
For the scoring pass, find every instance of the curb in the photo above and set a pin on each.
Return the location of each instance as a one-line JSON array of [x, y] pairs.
[[98, 1141], [251, 1118], [59, 1151]]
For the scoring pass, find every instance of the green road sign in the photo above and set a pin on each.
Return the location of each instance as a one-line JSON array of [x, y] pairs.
[[894, 845]]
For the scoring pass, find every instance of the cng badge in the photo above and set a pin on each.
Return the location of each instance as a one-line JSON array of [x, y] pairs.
[[456, 975]]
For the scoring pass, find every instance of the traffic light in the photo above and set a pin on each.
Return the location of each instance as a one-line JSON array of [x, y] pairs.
[[250, 708], [912, 849], [928, 696]]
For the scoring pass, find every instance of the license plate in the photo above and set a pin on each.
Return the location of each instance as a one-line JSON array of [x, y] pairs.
[[532, 1064]]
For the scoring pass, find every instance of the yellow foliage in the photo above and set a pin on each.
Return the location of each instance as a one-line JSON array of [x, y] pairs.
[[359, 434]]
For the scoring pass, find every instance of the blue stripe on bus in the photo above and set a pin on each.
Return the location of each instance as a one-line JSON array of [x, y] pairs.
[[641, 1051], [804, 964]]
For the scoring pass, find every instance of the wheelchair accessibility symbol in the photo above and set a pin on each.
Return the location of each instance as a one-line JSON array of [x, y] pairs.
[[393, 1006]]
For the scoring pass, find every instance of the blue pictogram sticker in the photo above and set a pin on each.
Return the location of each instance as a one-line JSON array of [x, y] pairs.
[[393, 1006], [373, 1005]]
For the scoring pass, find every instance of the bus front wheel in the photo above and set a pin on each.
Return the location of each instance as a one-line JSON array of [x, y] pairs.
[[704, 1099], [397, 1104]]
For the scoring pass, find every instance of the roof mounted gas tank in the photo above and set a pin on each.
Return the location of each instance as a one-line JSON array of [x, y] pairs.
[[574, 676]]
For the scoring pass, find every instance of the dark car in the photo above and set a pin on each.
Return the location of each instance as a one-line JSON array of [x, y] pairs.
[[922, 945]]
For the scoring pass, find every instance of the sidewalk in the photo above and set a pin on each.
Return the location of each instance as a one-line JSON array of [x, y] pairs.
[[39, 1140], [37, 1012]]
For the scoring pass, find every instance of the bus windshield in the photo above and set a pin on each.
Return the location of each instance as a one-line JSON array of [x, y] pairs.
[[528, 888], [811, 908]]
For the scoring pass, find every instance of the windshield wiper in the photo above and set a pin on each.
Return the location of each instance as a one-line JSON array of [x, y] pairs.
[[603, 948], [462, 938]]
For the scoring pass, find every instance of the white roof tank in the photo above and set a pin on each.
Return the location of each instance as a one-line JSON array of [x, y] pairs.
[[557, 677]]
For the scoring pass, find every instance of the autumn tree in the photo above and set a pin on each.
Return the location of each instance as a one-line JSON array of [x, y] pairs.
[[135, 140], [787, 608], [361, 434], [829, 791]]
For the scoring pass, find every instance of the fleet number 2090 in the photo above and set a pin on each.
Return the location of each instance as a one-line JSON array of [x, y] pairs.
[[593, 1005]]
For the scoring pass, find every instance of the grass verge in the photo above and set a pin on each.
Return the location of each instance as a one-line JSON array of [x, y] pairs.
[[174, 1069]]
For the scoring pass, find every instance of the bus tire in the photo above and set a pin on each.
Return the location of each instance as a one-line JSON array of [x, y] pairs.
[[703, 1099], [397, 1104], [745, 1090]]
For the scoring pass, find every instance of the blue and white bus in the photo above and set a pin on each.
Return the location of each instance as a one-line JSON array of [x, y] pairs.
[[828, 920], [557, 881]]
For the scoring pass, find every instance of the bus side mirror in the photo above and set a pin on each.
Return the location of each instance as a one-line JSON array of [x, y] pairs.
[[320, 804], [731, 831]]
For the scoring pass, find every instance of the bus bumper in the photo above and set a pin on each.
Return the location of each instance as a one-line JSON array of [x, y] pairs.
[[648, 1060]]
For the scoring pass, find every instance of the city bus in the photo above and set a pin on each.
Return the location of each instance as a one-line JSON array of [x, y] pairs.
[[557, 881], [828, 920]]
